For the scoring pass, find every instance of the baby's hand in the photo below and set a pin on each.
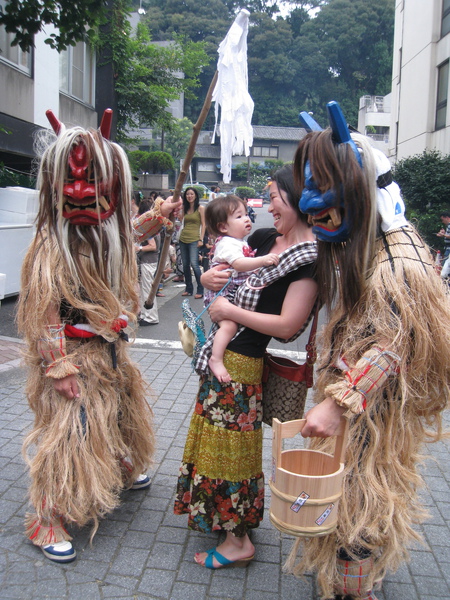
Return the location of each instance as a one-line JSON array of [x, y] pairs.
[[271, 259]]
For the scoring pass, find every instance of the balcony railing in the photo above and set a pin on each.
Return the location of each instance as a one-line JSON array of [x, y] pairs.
[[373, 104]]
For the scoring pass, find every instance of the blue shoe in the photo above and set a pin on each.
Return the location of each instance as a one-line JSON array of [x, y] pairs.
[[61, 552], [142, 482], [223, 561]]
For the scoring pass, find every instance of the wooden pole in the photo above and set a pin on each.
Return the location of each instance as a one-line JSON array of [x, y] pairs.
[[177, 191]]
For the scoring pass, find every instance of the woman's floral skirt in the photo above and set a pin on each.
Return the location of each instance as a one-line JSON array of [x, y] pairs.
[[221, 483]]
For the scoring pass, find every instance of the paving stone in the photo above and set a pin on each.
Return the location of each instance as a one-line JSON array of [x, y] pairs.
[[143, 551]]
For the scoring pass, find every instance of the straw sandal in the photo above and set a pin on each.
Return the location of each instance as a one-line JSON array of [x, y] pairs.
[[223, 562]]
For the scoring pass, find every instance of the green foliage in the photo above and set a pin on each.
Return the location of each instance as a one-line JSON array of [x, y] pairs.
[[142, 161], [295, 62], [74, 20], [160, 162], [178, 137], [11, 178], [245, 192], [138, 160], [425, 183], [256, 174], [145, 74]]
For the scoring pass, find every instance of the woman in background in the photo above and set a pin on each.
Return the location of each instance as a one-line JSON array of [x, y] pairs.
[[191, 239]]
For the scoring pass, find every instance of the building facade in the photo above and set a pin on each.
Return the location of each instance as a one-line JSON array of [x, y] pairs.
[[274, 143], [420, 85], [31, 83], [374, 120]]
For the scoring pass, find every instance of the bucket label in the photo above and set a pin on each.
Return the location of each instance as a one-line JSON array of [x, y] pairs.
[[299, 502], [324, 516]]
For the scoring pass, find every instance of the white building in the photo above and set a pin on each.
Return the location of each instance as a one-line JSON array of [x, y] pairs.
[[374, 120], [32, 82], [420, 84]]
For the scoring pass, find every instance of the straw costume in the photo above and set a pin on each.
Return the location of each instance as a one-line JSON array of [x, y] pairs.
[[384, 358], [78, 297]]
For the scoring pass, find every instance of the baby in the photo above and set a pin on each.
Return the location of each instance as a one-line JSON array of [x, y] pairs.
[[227, 220]]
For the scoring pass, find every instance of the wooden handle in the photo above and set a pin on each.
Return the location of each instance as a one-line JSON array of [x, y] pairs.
[[290, 429]]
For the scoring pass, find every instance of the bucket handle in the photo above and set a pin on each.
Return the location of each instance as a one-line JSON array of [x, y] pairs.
[[289, 429]]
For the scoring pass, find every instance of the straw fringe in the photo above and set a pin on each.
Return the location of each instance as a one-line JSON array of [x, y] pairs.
[[41, 534], [61, 368], [75, 446], [405, 308]]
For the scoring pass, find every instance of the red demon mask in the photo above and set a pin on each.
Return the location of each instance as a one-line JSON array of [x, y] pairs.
[[86, 201]]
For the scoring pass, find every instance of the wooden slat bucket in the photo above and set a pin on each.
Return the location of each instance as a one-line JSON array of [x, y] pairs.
[[306, 484]]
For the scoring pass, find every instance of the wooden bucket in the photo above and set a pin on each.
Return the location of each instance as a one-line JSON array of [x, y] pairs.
[[306, 484]]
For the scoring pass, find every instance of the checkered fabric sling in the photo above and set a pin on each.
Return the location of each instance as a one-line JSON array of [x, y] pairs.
[[248, 294]]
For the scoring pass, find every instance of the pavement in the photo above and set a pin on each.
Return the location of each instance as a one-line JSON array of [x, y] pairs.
[[142, 550]]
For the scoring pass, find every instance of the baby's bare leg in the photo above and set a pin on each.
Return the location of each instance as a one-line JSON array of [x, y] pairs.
[[224, 334]]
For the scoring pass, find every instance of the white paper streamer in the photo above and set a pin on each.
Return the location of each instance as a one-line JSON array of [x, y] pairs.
[[231, 94]]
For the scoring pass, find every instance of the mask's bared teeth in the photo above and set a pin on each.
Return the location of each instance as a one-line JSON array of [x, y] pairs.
[[103, 203], [335, 216]]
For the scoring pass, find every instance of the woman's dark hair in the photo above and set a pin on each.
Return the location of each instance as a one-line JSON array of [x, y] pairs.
[[144, 206], [284, 178], [186, 204], [137, 197]]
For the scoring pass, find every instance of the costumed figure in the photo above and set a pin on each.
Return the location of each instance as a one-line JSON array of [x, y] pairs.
[[92, 434], [385, 361]]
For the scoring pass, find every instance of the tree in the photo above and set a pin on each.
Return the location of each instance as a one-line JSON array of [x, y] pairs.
[[142, 161], [353, 40], [295, 62], [75, 21], [425, 183], [146, 76], [177, 140]]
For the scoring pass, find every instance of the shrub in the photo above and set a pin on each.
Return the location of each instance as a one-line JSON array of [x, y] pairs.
[[425, 183], [245, 192]]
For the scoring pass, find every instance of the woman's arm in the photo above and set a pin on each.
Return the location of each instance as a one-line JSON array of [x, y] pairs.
[[150, 246], [216, 277], [201, 210], [297, 306]]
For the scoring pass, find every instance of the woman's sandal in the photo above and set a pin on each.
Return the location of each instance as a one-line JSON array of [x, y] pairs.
[[198, 296], [186, 294], [223, 562]]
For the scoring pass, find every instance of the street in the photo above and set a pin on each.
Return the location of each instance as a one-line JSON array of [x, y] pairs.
[[143, 551]]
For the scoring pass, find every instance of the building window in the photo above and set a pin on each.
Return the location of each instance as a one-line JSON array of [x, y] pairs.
[[442, 94], [13, 55], [445, 28], [76, 72], [265, 151], [206, 166]]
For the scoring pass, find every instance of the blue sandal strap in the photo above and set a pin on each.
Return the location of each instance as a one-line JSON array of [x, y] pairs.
[[219, 557]]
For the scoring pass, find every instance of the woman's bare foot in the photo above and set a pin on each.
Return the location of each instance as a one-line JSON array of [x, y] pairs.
[[218, 368], [233, 548]]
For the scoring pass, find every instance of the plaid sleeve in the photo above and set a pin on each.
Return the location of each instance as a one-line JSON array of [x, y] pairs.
[[369, 375]]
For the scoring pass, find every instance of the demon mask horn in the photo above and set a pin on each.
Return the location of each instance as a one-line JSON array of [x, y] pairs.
[[105, 125]]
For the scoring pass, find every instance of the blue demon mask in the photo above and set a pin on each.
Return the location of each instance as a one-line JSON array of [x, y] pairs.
[[328, 223], [325, 210]]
